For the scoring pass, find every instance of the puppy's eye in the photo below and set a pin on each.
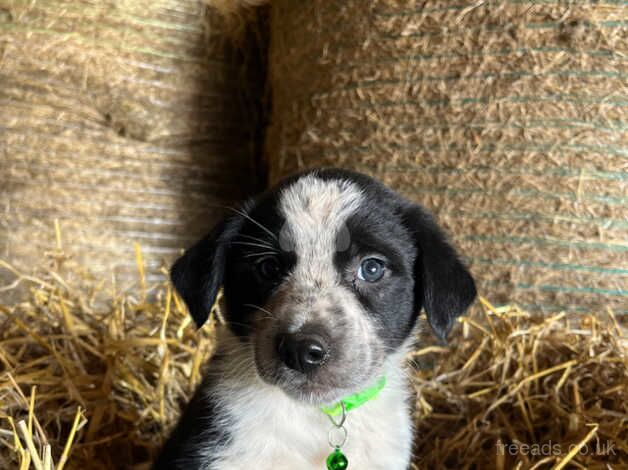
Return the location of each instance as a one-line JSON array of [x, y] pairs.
[[269, 268], [371, 270]]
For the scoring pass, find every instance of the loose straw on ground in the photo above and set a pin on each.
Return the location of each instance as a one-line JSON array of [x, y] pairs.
[[92, 385]]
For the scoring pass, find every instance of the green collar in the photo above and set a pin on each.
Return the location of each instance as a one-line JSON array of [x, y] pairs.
[[355, 400]]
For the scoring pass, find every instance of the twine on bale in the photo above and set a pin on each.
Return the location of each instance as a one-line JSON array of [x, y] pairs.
[[507, 118], [125, 120], [94, 386]]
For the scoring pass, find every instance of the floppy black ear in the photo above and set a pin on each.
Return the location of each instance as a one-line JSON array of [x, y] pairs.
[[443, 285], [198, 274]]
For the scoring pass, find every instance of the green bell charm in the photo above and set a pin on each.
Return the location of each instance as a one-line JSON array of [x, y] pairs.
[[337, 435], [337, 460]]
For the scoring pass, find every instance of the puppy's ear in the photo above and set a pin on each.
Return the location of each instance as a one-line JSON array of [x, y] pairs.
[[198, 274], [442, 283]]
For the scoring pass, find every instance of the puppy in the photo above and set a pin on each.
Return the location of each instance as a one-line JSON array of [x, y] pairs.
[[324, 277]]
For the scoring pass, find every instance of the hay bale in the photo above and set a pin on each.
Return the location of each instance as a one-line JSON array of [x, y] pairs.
[[124, 120], [506, 118]]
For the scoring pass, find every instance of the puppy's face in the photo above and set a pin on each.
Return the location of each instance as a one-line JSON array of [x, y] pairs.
[[324, 276], [320, 280]]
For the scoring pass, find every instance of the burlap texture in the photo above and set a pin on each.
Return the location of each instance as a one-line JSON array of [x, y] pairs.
[[124, 120], [506, 118]]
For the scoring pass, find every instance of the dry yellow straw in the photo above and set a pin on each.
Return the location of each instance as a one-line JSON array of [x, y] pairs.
[[577, 447], [129, 363], [68, 443], [30, 445]]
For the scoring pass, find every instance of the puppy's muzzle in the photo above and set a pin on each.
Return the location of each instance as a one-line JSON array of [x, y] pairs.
[[303, 351]]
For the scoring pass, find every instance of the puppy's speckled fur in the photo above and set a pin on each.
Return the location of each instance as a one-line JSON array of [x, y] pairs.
[[252, 411]]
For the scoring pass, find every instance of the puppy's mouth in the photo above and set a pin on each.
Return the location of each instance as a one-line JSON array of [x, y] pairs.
[[333, 378], [314, 390]]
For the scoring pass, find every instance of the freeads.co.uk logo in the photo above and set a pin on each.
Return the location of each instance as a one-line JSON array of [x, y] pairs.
[[554, 449]]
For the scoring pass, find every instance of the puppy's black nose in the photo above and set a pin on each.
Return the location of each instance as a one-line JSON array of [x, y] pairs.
[[302, 352]]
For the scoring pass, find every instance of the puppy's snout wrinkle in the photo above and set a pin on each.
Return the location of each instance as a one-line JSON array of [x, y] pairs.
[[303, 352]]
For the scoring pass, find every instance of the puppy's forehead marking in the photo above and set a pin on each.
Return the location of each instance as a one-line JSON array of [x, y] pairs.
[[314, 200], [316, 211]]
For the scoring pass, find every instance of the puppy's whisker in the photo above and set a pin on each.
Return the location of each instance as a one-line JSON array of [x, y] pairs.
[[261, 243], [262, 309], [259, 254], [244, 325], [260, 225], [255, 239], [257, 245]]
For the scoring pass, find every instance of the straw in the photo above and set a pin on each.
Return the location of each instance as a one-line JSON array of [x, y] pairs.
[[527, 392], [88, 385]]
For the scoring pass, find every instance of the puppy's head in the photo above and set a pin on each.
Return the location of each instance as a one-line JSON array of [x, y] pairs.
[[324, 276]]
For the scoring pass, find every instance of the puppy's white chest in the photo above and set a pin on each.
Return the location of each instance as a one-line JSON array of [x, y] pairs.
[[281, 435]]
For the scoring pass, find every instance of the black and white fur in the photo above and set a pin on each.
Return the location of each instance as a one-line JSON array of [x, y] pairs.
[[254, 409]]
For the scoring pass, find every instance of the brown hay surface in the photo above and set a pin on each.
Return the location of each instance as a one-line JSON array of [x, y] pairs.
[[506, 117], [125, 120], [99, 387]]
